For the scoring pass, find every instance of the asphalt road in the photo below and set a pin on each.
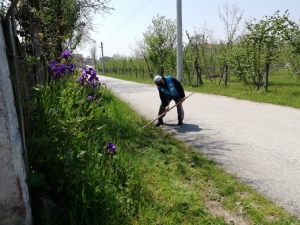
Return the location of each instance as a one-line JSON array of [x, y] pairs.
[[258, 142]]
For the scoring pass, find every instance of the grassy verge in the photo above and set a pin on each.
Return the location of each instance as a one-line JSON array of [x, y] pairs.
[[153, 179]]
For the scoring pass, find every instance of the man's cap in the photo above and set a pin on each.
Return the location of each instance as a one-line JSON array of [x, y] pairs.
[[157, 78]]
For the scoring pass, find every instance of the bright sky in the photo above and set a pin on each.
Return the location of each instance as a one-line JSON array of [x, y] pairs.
[[119, 30]]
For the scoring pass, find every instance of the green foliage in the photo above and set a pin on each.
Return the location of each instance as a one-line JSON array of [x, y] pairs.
[[60, 21], [160, 40], [259, 47], [291, 50], [131, 66], [55, 25]]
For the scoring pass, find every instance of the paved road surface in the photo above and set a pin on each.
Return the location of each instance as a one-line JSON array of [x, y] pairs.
[[259, 143]]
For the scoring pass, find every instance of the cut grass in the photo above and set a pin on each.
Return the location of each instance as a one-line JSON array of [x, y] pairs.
[[183, 184]]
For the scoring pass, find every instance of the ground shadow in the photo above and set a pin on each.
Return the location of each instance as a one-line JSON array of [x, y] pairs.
[[185, 128], [207, 141]]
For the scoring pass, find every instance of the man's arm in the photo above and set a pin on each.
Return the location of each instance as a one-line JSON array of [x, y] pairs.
[[179, 88], [163, 99]]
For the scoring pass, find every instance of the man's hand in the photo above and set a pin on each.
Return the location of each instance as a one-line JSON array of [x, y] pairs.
[[167, 108], [182, 100]]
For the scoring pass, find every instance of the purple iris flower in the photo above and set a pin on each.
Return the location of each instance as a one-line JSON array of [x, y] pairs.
[[56, 68], [90, 76], [53, 62], [111, 148], [93, 76], [82, 79], [52, 67], [62, 68], [71, 67], [91, 98], [66, 53]]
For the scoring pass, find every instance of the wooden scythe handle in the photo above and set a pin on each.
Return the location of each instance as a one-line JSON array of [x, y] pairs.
[[161, 115]]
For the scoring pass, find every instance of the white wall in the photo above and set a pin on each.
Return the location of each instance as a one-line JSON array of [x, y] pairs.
[[14, 198]]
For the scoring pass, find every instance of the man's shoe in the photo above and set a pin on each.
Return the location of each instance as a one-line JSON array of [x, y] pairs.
[[159, 122], [179, 122]]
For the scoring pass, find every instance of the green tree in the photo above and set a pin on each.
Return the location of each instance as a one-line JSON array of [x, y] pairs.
[[55, 25], [292, 50], [259, 48], [160, 40]]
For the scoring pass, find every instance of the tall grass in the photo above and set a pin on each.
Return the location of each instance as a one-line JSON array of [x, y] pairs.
[[68, 161]]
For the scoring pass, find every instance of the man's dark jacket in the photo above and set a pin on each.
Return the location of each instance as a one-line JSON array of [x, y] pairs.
[[179, 88]]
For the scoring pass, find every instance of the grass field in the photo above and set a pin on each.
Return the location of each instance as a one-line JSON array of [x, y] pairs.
[[283, 89]]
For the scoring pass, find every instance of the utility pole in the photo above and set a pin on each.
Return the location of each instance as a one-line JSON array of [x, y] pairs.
[[103, 69], [179, 42]]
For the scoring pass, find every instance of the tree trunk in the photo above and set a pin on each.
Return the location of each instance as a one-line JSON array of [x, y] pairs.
[[226, 75], [266, 81], [59, 40], [196, 66]]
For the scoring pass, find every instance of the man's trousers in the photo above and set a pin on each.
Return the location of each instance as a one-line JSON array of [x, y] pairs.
[[180, 111]]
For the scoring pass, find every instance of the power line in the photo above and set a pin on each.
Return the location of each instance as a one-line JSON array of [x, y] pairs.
[[127, 21], [122, 19]]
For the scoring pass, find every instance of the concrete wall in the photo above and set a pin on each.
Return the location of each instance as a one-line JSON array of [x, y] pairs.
[[14, 198]]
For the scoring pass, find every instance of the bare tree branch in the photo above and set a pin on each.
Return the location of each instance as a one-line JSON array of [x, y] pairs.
[[231, 18]]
